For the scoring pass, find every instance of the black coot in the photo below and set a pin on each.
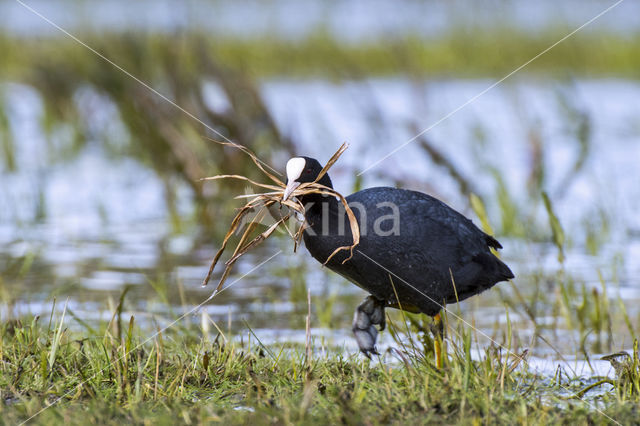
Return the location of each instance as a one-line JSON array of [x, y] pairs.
[[415, 252]]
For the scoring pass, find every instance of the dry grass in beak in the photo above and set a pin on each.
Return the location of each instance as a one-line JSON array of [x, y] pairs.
[[263, 201]]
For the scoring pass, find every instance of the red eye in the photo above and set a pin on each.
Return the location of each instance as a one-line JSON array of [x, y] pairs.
[[308, 171]]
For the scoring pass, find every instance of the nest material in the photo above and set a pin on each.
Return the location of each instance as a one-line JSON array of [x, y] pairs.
[[261, 202]]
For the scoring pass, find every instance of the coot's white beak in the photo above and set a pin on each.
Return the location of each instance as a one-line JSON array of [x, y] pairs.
[[291, 186], [295, 166]]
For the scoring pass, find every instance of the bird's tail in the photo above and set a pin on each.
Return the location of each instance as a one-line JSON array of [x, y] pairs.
[[503, 272], [495, 269]]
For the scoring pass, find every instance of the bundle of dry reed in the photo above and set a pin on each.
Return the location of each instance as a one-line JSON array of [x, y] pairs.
[[261, 203]]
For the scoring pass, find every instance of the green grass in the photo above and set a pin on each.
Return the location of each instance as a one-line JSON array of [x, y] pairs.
[[461, 52], [116, 373]]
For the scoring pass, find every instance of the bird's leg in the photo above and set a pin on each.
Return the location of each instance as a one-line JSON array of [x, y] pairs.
[[437, 328], [368, 314]]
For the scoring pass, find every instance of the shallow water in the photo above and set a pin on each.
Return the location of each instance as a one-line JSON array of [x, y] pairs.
[[84, 229], [352, 20]]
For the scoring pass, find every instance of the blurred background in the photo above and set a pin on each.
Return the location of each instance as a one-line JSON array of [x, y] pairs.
[[100, 186]]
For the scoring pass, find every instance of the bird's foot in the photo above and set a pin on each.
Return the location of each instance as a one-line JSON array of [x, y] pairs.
[[368, 314]]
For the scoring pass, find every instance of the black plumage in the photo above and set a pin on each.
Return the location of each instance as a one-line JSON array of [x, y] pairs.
[[415, 252]]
